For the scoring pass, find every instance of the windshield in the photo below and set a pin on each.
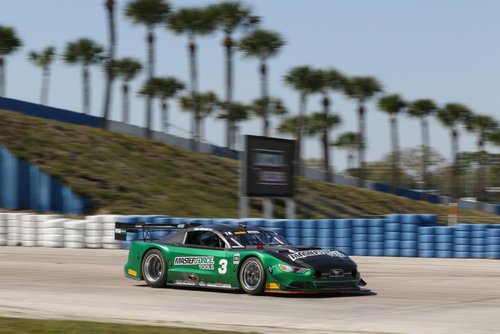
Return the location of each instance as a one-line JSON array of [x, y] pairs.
[[240, 239]]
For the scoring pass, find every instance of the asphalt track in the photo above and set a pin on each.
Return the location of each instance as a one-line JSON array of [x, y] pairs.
[[412, 296]]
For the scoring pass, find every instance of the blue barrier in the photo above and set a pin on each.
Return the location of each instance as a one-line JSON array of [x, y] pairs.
[[23, 186], [56, 114]]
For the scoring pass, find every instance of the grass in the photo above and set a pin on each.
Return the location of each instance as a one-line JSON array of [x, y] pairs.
[[131, 175], [32, 326]]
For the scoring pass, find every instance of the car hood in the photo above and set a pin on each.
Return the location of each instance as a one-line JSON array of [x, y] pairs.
[[311, 257]]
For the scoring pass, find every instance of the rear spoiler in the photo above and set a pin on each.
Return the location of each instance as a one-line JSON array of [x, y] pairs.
[[121, 229]]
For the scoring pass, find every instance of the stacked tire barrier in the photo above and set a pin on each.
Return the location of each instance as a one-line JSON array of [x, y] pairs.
[[74, 233], [326, 233], [395, 235], [376, 237], [3, 229]]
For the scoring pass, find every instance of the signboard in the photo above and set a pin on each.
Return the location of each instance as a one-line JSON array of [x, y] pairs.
[[268, 167]]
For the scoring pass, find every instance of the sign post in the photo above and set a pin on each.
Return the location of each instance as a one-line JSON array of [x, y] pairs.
[[452, 214]]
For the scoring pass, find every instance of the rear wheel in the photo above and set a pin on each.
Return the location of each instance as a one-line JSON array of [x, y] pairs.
[[154, 269], [252, 276]]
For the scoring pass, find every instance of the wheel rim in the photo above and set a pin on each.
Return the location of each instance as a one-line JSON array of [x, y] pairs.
[[153, 267], [252, 275]]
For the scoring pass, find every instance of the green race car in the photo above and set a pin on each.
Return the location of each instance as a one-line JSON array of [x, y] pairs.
[[235, 257]]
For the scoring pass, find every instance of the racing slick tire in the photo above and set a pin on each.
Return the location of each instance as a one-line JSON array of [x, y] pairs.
[[154, 269], [252, 276]]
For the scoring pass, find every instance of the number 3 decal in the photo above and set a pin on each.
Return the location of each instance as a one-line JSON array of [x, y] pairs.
[[222, 266]]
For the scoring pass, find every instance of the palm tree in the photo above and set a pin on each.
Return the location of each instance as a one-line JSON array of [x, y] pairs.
[[483, 126], [9, 43], [422, 109], [306, 81], [235, 113], [262, 44], [320, 123], [230, 17], [362, 89], [350, 142], [494, 137], [127, 68], [393, 105], [451, 116], [110, 9], [149, 13], [43, 60], [86, 52], [193, 22], [162, 88], [207, 103], [266, 107], [332, 80]]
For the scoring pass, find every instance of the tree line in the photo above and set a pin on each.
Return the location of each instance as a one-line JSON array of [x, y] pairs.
[[260, 44]]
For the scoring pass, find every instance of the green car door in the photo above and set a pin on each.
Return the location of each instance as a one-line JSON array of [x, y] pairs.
[[203, 260]]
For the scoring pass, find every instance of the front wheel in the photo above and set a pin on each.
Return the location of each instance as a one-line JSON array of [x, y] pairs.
[[252, 276], [154, 269]]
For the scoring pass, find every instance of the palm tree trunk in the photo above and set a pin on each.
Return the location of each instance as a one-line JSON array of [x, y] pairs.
[[395, 152], [362, 146], [86, 89], [228, 43], [480, 193], [164, 116], [2, 76], [110, 5], [196, 119], [326, 140], [264, 95], [151, 73], [300, 134], [425, 151], [125, 103], [44, 94], [350, 159], [455, 187]]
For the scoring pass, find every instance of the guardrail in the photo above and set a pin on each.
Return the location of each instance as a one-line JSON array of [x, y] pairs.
[[393, 235]]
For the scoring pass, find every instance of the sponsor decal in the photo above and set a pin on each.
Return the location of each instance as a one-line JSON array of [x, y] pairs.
[[272, 286], [336, 273], [315, 252], [190, 283], [132, 272], [202, 229], [236, 258], [203, 262], [219, 285]]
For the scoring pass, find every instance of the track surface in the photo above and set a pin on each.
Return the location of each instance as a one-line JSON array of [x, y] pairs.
[[413, 296]]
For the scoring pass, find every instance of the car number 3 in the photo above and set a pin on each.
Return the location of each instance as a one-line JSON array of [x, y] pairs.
[[222, 266]]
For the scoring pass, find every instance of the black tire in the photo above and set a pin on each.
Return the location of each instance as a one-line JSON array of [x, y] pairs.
[[252, 276], [154, 269]]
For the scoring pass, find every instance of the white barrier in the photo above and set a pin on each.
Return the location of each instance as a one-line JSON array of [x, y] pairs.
[[52, 233], [3, 229], [93, 232], [29, 231], [45, 230], [74, 233], [108, 232], [14, 229]]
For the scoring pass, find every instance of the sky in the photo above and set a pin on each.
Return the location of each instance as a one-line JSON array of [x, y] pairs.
[[445, 50]]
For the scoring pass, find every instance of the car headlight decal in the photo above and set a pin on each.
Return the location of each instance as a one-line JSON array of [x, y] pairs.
[[291, 269]]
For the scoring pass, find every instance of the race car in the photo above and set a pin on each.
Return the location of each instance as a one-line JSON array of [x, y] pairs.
[[235, 257]]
